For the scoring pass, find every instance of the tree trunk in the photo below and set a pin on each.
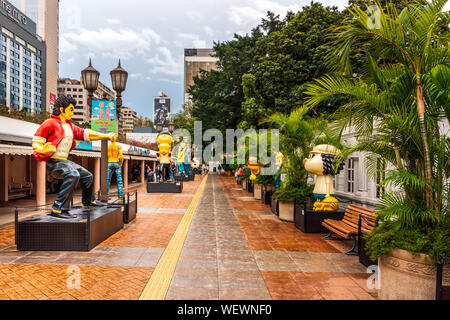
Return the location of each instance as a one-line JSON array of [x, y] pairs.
[[423, 133]]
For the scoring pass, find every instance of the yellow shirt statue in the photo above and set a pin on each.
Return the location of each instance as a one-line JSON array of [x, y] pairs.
[[115, 163]]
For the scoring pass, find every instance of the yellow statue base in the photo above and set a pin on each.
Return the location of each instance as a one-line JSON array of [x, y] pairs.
[[327, 204]]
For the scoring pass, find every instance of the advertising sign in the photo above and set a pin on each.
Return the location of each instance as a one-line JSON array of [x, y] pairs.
[[162, 110], [15, 14], [81, 145], [104, 117]]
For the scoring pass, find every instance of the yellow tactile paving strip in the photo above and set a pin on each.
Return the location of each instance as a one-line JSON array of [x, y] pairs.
[[159, 282]]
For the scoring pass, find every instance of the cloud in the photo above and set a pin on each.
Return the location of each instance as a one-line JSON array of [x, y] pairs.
[[209, 31], [113, 21], [170, 81], [194, 15], [70, 60], [163, 62], [191, 39], [123, 43], [257, 9]]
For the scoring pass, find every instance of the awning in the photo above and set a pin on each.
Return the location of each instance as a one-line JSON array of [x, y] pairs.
[[142, 158], [87, 154], [16, 150]]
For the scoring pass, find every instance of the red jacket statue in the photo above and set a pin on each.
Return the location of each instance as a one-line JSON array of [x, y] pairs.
[[52, 131]]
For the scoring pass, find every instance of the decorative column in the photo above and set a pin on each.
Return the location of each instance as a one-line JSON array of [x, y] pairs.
[[154, 166], [97, 175], [41, 179], [142, 171], [125, 174]]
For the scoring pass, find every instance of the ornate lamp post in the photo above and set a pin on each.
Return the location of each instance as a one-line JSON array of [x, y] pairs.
[[171, 127], [159, 127], [90, 78], [119, 79]]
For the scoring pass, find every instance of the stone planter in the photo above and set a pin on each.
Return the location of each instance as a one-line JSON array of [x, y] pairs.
[[403, 277], [274, 206], [257, 191], [286, 211], [244, 184]]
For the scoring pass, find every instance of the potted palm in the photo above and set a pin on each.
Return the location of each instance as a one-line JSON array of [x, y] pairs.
[[297, 137], [398, 106]]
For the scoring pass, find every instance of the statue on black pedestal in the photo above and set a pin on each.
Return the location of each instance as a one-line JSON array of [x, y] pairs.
[[52, 144]]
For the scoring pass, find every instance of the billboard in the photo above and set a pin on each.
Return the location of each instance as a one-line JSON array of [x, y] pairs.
[[104, 117], [162, 110]]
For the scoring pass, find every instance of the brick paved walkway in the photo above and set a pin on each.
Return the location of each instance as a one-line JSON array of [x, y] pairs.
[[235, 249]]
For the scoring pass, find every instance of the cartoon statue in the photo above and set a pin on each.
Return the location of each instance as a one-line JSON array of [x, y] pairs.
[[187, 161], [115, 163], [164, 154], [321, 163], [52, 144], [279, 159], [254, 167], [181, 157]]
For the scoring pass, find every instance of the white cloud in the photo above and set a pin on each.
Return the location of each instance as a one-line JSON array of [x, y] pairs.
[[70, 60], [194, 15], [209, 31], [193, 40], [199, 43], [170, 81], [123, 43], [113, 21], [257, 9], [163, 62]]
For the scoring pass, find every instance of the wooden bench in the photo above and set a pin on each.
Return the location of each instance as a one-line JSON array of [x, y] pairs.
[[357, 220], [19, 189]]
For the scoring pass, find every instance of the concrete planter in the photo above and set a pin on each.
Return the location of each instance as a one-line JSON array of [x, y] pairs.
[[257, 191], [244, 184], [404, 277], [286, 211]]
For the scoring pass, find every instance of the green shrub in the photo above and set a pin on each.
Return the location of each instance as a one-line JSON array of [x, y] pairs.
[[290, 193]]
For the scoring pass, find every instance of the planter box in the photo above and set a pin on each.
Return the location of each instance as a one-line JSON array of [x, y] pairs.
[[311, 222], [286, 211], [364, 258], [249, 187], [405, 277], [274, 206], [257, 191], [267, 196], [244, 184]]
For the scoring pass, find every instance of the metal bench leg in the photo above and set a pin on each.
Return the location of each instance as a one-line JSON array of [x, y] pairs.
[[329, 236], [353, 251]]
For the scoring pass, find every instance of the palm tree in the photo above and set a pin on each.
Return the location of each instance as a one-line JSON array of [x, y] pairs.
[[408, 51]]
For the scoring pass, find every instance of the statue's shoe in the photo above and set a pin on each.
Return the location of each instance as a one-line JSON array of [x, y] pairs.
[[97, 204], [62, 215]]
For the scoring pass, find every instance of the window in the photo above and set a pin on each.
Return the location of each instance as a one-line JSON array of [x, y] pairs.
[[69, 89], [351, 175], [8, 33]]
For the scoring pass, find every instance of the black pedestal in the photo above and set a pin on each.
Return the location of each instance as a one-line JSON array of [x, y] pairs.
[[309, 221], [266, 197], [129, 207], [363, 256], [164, 187], [90, 228]]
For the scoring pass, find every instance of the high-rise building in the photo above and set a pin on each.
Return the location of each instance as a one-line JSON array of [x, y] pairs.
[[75, 89], [22, 61], [129, 117], [194, 61], [45, 13]]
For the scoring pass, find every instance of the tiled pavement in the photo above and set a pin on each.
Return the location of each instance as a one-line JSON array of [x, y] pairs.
[[235, 249]]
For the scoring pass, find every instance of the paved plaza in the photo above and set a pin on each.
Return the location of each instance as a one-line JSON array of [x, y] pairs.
[[213, 241]]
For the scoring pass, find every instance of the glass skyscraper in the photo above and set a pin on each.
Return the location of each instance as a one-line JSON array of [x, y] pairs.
[[22, 59]]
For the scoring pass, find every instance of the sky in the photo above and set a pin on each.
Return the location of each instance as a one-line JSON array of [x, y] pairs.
[[149, 36]]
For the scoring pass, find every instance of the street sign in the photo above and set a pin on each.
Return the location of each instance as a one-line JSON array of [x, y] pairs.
[[104, 118]]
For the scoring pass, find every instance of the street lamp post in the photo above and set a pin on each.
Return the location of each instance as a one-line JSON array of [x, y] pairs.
[[119, 79], [90, 78]]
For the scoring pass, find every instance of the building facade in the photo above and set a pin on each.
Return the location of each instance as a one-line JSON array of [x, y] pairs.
[[75, 89], [129, 117], [22, 62], [45, 13], [194, 61]]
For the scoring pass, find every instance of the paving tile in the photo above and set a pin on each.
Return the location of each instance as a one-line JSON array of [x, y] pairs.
[[179, 293], [244, 294]]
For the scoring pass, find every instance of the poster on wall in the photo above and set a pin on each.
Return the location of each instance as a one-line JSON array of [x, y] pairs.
[[162, 110], [82, 145], [104, 117]]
